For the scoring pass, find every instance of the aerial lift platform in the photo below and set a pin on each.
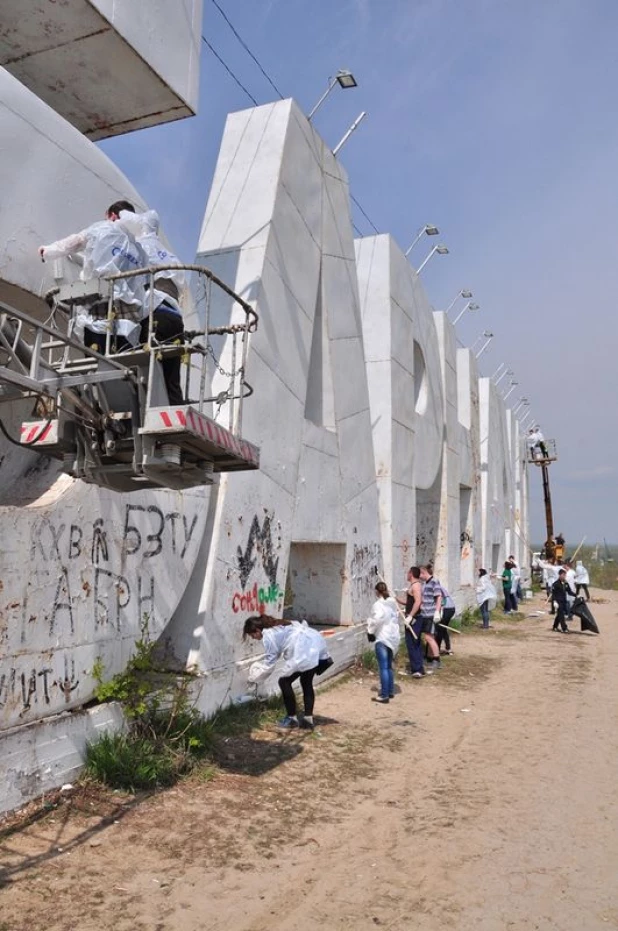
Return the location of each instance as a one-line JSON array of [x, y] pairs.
[[542, 455], [107, 417]]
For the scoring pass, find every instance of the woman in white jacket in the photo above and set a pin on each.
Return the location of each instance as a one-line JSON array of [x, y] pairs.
[[486, 596], [304, 653], [582, 579], [383, 626]]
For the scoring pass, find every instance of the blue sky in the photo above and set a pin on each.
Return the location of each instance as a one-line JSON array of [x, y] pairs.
[[495, 120]]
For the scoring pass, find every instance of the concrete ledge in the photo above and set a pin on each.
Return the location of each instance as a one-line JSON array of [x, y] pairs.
[[38, 757]]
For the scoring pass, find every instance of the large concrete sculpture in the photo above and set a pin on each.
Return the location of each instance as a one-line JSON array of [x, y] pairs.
[[305, 528], [380, 445]]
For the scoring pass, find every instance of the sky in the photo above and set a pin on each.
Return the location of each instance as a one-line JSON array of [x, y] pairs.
[[494, 120]]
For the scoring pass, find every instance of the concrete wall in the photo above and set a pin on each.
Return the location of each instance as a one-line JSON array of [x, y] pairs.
[[106, 66], [380, 446]]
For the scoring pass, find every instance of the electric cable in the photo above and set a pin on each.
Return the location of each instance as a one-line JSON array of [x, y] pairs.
[[229, 71], [248, 50]]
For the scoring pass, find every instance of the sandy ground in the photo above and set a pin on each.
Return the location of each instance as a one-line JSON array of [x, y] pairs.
[[483, 798]]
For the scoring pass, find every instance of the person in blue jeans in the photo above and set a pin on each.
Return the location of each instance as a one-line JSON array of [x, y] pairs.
[[486, 596], [383, 627], [413, 602]]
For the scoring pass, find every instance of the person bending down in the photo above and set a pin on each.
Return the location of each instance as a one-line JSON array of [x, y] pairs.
[[304, 653]]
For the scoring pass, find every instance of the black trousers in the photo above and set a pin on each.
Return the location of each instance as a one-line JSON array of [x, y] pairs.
[[579, 585], [442, 634], [167, 328], [306, 684], [560, 618]]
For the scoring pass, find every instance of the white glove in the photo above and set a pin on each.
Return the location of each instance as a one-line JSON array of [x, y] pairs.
[[437, 617]]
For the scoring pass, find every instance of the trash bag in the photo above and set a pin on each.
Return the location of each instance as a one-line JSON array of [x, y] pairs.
[[581, 610]]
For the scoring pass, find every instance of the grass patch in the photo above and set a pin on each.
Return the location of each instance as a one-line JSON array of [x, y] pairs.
[[368, 661], [468, 670]]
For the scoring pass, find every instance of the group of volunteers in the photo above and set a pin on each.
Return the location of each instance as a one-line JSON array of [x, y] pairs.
[[563, 584], [426, 611], [126, 241]]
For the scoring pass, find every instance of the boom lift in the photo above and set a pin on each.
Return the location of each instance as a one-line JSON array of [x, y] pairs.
[[107, 418], [543, 455]]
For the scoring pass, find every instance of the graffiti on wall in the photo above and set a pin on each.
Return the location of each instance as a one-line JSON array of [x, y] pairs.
[[89, 584], [116, 572], [365, 564], [259, 547]]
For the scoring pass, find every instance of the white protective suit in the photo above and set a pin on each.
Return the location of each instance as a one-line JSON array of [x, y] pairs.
[[383, 623], [106, 249], [144, 227], [299, 645], [486, 591], [515, 578], [581, 574]]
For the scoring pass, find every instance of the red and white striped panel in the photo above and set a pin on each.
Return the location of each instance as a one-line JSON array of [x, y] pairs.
[[39, 432], [162, 420]]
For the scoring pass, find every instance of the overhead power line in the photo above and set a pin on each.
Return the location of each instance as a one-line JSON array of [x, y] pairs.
[[366, 216], [272, 83], [229, 71], [248, 50]]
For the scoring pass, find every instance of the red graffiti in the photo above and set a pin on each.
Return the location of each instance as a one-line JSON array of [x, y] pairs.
[[256, 599]]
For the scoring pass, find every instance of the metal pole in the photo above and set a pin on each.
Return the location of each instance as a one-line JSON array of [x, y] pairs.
[[512, 388], [354, 126], [501, 366], [505, 372], [460, 315], [549, 517], [419, 236], [423, 264], [322, 99], [483, 348]]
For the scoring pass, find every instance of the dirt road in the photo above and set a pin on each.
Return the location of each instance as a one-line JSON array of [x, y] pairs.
[[483, 798]]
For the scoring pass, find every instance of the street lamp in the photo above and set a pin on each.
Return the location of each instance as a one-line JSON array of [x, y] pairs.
[[523, 422], [354, 126], [469, 306], [500, 367], [489, 336], [344, 79], [465, 294], [429, 229], [505, 372], [441, 250], [512, 388], [522, 402]]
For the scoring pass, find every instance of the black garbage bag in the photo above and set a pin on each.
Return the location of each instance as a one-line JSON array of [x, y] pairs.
[[581, 610]]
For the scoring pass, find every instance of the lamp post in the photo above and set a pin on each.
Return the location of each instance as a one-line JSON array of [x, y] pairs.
[[500, 367], [522, 402], [429, 229], [489, 336], [524, 420], [464, 293], [505, 372], [344, 79], [512, 388], [469, 306], [347, 135], [440, 249]]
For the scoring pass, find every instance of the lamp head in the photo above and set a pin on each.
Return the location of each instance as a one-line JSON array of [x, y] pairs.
[[431, 230], [465, 293], [346, 79], [442, 250]]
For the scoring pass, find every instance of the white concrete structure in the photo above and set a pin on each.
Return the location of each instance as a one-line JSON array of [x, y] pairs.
[[106, 66], [380, 446], [277, 228]]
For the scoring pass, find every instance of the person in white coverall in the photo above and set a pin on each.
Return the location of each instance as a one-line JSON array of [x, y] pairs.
[[105, 249], [383, 628], [582, 579], [168, 285], [304, 653]]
